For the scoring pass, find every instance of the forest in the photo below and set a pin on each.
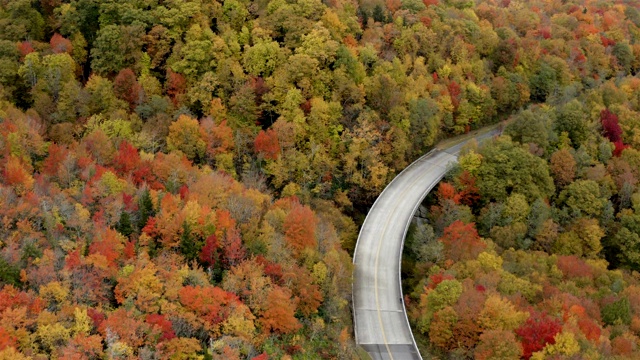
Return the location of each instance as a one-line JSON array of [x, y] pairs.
[[184, 179], [530, 248]]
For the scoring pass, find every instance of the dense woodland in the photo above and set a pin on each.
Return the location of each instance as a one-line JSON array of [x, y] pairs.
[[530, 248], [181, 179]]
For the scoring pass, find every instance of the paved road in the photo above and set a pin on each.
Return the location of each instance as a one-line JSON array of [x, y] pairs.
[[381, 324]]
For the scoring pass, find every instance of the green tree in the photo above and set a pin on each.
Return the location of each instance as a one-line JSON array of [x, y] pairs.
[[507, 167], [124, 224], [263, 58], [572, 118], [583, 197], [543, 83], [190, 244], [107, 53], [200, 53], [617, 312], [624, 55], [424, 123], [145, 208]]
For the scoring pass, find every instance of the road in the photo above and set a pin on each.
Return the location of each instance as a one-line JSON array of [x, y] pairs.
[[381, 324]]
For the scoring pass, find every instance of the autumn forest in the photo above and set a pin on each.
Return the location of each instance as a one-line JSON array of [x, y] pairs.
[[185, 179]]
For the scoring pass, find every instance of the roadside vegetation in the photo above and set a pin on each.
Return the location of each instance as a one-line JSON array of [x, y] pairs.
[[183, 179]]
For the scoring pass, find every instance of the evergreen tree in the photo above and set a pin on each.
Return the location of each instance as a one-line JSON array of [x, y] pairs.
[[145, 209], [378, 14], [124, 226]]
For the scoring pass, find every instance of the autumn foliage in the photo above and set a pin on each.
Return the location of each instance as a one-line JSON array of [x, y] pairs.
[[538, 331], [300, 227], [461, 241], [150, 152], [266, 143]]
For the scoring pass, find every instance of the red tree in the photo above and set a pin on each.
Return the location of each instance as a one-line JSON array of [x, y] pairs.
[[6, 340], [175, 86], [273, 270], [266, 143], [110, 246], [573, 267], [234, 252], [127, 158], [538, 331], [454, 93], [446, 191], [461, 241], [163, 325], [59, 44], [25, 48], [300, 227], [469, 194], [57, 154], [209, 252], [610, 126], [126, 87], [590, 329], [210, 302]]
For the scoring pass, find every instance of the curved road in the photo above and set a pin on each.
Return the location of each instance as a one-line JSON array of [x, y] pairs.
[[381, 324]]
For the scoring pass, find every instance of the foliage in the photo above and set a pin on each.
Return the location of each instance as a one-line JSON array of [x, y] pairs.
[[157, 139]]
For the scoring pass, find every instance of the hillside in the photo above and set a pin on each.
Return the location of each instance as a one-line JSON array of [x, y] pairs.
[[183, 179]]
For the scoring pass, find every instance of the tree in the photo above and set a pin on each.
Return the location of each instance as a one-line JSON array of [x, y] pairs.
[[124, 224], [424, 123], [190, 245], [543, 82], [498, 345], [446, 293], [617, 312], [461, 241], [538, 331], [629, 244], [175, 86], [145, 208], [499, 314], [59, 44], [378, 14], [624, 56], [184, 135], [610, 126], [300, 227], [279, 312], [126, 87], [199, 53], [127, 159], [163, 325], [158, 43], [507, 167], [263, 58], [266, 143], [107, 53], [572, 120], [531, 126], [209, 254], [17, 175], [441, 330], [583, 197], [563, 167], [232, 248]]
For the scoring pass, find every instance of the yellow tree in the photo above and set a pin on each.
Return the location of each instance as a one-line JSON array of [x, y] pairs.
[[185, 136]]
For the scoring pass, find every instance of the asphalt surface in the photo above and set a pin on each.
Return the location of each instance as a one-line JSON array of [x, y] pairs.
[[381, 324]]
